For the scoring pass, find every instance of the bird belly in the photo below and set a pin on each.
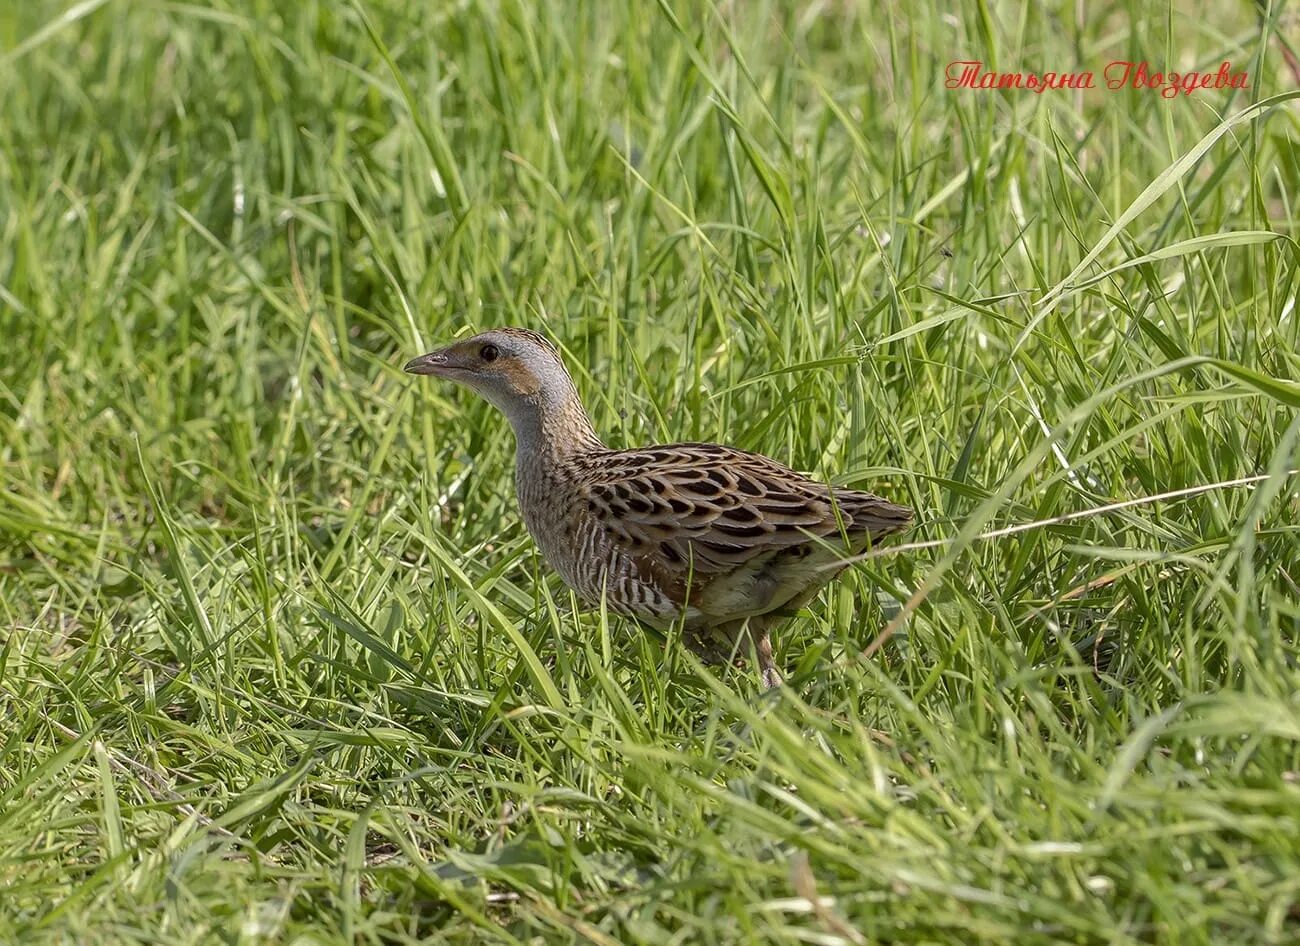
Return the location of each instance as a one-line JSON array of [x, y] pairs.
[[770, 583]]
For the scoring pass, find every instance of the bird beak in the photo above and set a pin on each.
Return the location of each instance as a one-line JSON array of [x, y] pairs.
[[436, 362]]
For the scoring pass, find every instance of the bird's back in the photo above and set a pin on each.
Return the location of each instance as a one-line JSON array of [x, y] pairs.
[[717, 532]]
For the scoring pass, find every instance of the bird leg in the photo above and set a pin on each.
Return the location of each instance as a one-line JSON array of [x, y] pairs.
[[729, 643], [767, 671], [739, 636]]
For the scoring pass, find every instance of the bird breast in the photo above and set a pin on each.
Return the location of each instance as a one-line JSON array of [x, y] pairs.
[[584, 552]]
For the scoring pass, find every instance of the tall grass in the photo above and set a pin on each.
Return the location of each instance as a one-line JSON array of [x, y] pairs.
[[278, 662]]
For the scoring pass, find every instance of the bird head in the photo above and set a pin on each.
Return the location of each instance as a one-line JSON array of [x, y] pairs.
[[521, 374], [504, 366]]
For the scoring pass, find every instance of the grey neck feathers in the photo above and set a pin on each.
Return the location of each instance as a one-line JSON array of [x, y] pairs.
[[552, 423]]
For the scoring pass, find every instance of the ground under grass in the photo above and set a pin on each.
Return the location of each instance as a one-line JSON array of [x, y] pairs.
[[278, 662]]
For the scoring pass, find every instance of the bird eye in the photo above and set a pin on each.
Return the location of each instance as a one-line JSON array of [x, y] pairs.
[[488, 353]]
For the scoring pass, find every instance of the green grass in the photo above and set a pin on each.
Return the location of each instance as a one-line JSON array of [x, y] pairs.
[[278, 662]]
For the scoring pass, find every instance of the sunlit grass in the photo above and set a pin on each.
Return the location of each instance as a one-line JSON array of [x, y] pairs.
[[279, 662]]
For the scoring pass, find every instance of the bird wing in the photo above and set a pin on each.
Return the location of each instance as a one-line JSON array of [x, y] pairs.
[[706, 509]]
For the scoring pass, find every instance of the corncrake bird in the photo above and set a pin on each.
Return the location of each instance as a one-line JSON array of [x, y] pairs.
[[725, 541]]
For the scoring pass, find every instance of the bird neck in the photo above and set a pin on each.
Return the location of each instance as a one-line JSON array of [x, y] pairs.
[[553, 424]]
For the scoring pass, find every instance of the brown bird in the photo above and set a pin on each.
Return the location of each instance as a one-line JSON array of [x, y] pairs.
[[725, 541]]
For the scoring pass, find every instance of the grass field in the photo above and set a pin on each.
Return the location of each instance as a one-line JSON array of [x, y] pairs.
[[278, 661]]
